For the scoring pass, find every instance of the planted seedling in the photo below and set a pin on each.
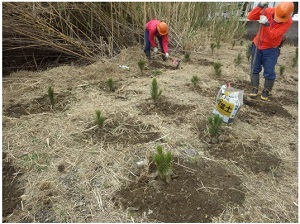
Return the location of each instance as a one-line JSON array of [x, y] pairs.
[[111, 84], [248, 52], [141, 65], [212, 47], [217, 67], [51, 96], [155, 92], [215, 123], [232, 44], [241, 42], [99, 119], [157, 72], [195, 80], [163, 162], [218, 45], [187, 57], [238, 60], [281, 70]]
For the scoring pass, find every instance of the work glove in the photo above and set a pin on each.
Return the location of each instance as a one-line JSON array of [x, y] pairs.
[[262, 4], [167, 55], [155, 50], [263, 20]]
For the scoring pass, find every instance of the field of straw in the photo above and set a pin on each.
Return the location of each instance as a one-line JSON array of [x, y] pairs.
[[58, 165]]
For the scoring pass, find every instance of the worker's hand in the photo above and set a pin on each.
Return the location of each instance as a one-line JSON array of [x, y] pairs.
[[263, 4], [155, 50], [263, 20], [167, 55]]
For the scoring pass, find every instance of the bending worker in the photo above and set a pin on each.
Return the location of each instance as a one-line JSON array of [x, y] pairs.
[[156, 28], [275, 22]]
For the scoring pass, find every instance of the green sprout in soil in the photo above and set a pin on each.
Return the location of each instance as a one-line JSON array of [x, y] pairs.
[[212, 47], [111, 84], [233, 44], [155, 92], [241, 42], [218, 45], [281, 70], [295, 58], [51, 96], [157, 72], [295, 100], [217, 67], [195, 80], [99, 119], [141, 65], [248, 52], [238, 60], [215, 123], [187, 57], [163, 162]]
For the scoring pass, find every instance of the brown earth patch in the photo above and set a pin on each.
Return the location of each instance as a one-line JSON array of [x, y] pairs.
[[198, 192], [256, 157], [164, 107], [39, 105], [11, 189]]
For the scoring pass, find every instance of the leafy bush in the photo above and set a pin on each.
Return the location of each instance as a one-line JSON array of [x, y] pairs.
[[281, 69], [187, 57], [238, 60], [248, 51], [155, 92], [163, 162], [212, 47], [141, 65], [157, 72], [215, 124]]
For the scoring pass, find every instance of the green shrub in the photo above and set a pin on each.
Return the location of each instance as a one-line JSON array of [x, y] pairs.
[[217, 67], [51, 96], [295, 58], [155, 92], [215, 123], [111, 84], [99, 119], [218, 45], [163, 162], [157, 72], [248, 51], [187, 57]]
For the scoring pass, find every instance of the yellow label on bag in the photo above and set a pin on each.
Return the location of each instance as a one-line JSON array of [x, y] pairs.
[[224, 107]]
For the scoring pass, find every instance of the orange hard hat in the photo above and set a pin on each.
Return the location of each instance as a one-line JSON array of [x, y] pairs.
[[283, 11], [162, 28]]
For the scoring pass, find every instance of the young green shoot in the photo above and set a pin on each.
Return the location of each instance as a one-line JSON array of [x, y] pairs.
[[238, 60], [232, 44], [141, 65], [215, 123], [295, 58], [217, 67], [111, 84], [155, 92], [195, 80], [218, 45], [156, 72], [51, 96], [212, 47], [163, 162], [281, 70], [248, 52], [187, 57], [99, 119]]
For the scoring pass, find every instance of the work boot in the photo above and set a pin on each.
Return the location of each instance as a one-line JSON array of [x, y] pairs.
[[255, 85], [267, 89]]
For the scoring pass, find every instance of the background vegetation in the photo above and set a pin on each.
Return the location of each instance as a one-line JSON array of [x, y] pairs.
[[36, 34]]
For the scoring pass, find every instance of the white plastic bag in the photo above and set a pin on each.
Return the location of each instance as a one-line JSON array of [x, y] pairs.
[[228, 102]]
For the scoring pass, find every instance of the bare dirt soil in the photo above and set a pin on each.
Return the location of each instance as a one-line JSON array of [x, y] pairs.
[[59, 166]]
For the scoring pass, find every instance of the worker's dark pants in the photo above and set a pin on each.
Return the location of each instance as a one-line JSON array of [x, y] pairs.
[[267, 59], [148, 44]]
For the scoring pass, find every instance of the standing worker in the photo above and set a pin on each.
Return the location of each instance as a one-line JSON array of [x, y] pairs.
[[156, 28], [274, 23]]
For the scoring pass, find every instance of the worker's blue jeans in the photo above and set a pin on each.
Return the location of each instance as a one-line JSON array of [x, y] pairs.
[[267, 59], [148, 44]]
